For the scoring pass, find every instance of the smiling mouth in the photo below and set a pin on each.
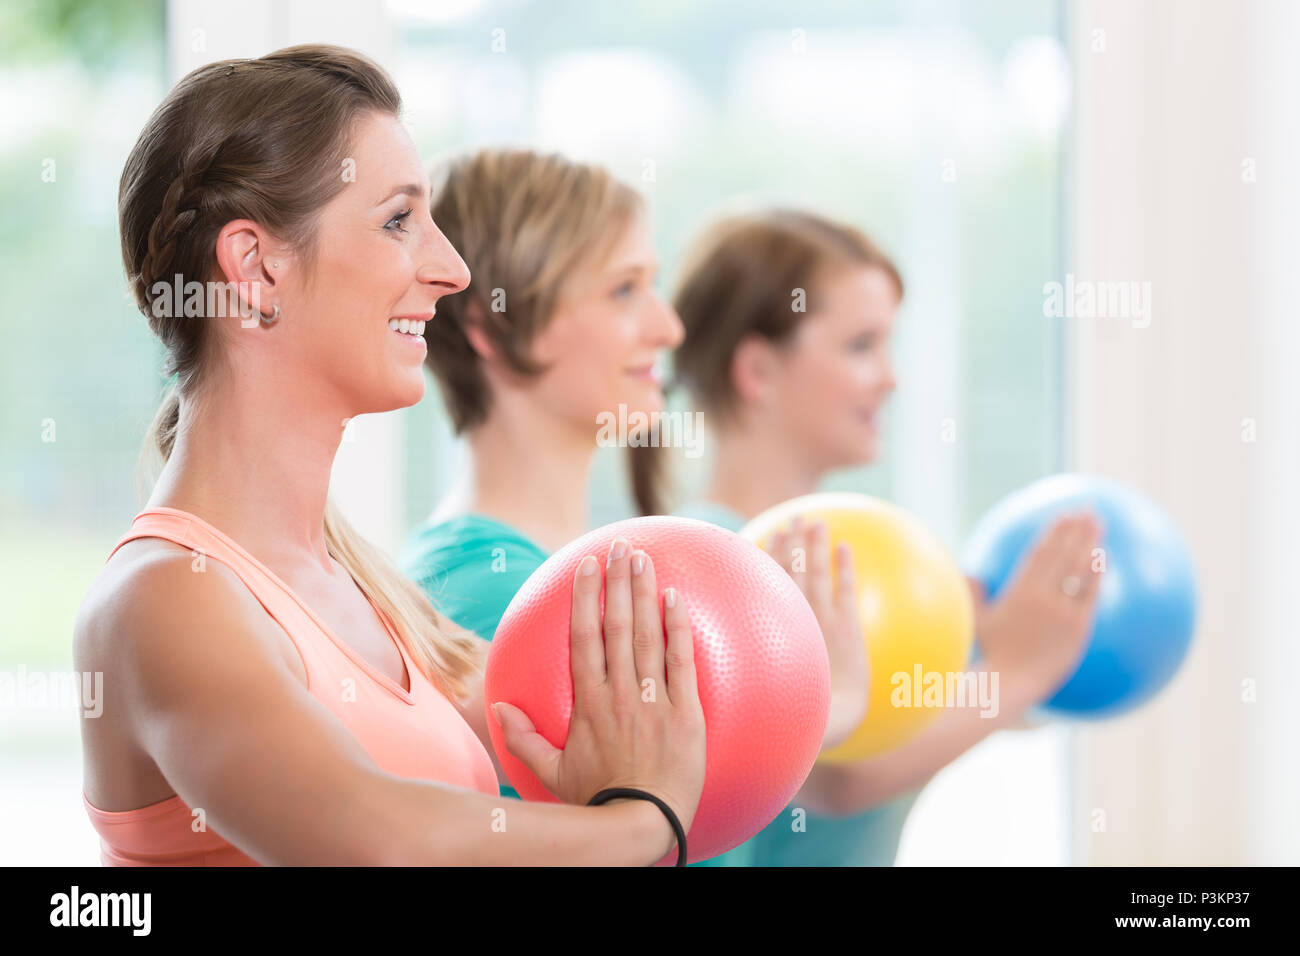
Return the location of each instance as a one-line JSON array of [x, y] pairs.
[[409, 326], [645, 373]]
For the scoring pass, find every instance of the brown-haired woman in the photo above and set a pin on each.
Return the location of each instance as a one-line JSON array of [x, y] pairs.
[[788, 318], [560, 326], [276, 691]]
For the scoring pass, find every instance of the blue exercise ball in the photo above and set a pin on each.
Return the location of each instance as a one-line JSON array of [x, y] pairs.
[[1146, 604]]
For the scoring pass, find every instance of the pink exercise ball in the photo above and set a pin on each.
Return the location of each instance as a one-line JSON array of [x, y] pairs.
[[764, 677]]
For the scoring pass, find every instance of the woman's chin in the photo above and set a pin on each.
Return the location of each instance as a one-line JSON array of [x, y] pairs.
[[863, 451], [412, 395], [868, 450], [399, 394], [646, 399]]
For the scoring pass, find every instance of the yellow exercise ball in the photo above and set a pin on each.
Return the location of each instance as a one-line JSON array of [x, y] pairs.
[[914, 605]]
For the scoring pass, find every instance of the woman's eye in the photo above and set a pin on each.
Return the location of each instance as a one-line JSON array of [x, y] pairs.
[[863, 343], [395, 224], [625, 289]]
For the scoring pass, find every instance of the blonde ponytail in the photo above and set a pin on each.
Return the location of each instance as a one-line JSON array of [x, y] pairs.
[[158, 442], [445, 653]]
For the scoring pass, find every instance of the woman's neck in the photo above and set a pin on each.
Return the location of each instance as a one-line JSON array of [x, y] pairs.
[[529, 470], [255, 467], [756, 468]]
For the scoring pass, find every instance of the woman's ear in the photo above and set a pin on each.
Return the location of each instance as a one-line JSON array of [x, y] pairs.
[[254, 262], [477, 337], [753, 364]]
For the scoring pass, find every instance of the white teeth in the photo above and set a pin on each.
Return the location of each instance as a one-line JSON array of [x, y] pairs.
[[409, 326]]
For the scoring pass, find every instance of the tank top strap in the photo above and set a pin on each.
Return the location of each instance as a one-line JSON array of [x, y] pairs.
[[168, 524], [204, 541], [308, 633]]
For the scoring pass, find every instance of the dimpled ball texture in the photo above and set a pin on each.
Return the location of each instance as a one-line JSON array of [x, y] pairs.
[[761, 663]]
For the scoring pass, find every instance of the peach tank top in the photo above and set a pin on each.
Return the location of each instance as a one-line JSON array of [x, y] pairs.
[[416, 733]]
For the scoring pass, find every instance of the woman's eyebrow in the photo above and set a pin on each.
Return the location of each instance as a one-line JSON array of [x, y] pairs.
[[414, 190], [632, 267]]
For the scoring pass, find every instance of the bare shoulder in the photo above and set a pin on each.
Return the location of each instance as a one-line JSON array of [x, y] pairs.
[[156, 610], [198, 685]]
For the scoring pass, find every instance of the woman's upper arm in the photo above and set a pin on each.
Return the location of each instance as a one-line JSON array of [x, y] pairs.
[[212, 701], [197, 672]]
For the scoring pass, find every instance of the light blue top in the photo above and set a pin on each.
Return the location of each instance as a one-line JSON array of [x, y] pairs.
[[470, 567], [809, 839]]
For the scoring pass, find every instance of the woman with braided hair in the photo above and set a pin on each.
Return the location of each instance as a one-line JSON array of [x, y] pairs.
[[276, 691]]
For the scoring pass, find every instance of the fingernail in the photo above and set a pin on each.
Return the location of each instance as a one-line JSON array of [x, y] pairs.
[[638, 562], [670, 597], [617, 550], [496, 712], [588, 566]]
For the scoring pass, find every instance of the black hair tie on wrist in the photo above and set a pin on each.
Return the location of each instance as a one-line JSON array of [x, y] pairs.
[[616, 793]]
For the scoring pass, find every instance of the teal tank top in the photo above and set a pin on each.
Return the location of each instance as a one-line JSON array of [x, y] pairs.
[[799, 838]]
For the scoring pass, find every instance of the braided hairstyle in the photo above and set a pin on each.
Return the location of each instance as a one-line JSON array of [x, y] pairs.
[[256, 139], [260, 139]]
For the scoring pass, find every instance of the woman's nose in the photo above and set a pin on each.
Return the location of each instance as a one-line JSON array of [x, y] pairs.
[[890, 382], [444, 266], [670, 325]]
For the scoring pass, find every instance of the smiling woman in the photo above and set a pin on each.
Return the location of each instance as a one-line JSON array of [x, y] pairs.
[[560, 326], [264, 658], [394, 269], [210, 222]]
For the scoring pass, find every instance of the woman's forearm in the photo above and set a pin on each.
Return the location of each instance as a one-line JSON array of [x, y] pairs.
[[843, 789], [466, 828]]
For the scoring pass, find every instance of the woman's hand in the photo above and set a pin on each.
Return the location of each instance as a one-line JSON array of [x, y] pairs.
[[804, 552], [1032, 637], [1035, 634], [637, 720]]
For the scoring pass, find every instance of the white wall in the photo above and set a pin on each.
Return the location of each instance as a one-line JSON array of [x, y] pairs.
[[1171, 114]]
